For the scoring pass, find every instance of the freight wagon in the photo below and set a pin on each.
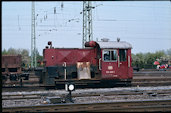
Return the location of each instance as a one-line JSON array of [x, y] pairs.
[[12, 69]]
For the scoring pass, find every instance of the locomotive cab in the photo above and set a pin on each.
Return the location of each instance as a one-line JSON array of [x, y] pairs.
[[115, 61]]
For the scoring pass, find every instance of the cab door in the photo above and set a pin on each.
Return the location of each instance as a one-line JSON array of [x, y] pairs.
[[122, 63], [109, 63]]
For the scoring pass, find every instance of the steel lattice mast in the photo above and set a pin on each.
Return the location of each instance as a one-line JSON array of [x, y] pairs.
[[33, 38], [87, 22]]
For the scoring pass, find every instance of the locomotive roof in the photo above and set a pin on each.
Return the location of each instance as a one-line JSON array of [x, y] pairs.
[[115, 44]]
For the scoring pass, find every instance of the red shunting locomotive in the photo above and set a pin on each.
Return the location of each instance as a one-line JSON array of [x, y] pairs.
[[104, 62]]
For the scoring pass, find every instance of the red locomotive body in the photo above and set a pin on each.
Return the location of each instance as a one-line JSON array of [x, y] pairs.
[[99, 61], [71, 56]]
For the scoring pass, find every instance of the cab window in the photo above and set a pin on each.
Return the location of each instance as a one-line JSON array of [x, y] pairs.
[[109, 55], [122, 54]]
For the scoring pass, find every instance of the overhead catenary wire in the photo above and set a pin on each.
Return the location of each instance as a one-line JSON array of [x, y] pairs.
[[50, 11]]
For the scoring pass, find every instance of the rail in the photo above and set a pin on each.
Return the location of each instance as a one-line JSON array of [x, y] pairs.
[[131, 106]]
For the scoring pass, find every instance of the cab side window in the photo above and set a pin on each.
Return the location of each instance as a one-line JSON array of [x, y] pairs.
[[106, 55], [110, 55], [114, 55], [122, 54]]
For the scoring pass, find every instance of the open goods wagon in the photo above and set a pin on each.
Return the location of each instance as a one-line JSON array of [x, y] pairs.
[[12, 69]]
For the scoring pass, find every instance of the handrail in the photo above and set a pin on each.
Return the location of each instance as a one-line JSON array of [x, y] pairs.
[[64, 64], [128, 61], [100, 64], [118, 61]]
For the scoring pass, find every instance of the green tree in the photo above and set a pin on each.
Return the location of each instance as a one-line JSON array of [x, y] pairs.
[[38, 57], [4, 52], [168, 52], [25, 57], [146, 60], [12, 51]]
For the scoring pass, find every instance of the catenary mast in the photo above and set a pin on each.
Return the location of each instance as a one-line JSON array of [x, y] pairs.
[[87, 22], [33, 38]]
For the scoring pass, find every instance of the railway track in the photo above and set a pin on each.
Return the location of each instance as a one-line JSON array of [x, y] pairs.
[[152, 78], [119, 106], [81, 93], [106, 99], [142, 78]]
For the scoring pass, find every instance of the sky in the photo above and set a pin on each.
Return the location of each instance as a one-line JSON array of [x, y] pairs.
[[146, 25]]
